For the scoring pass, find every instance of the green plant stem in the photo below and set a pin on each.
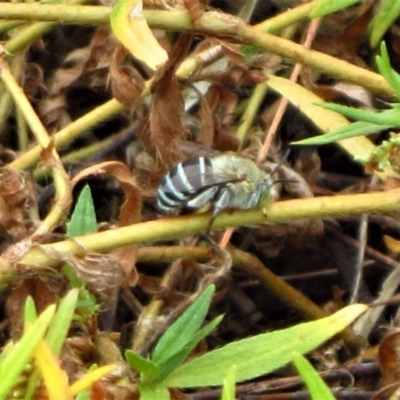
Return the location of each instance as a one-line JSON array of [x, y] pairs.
[[147, 321], [71, 132], [6, 26], [61, 180], [173, 227], [244, 261], [251, 111], [217, 24], [94, 15], [253, 266], [58, 13], [28, 34], [213, 24], [287, 18]]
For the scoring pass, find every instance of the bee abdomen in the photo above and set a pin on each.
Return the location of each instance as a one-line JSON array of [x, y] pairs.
[[180, 186]]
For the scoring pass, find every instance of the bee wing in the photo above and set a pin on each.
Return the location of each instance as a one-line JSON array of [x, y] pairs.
[[193, 180]]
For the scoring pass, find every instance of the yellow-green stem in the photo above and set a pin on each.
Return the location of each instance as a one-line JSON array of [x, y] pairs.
[[167, 228], [61, 180]]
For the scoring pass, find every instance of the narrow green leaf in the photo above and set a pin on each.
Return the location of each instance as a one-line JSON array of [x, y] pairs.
[[61, 322], [355, 129], [169, 365], [386, 70], [83, 219], [15, 361], [328, 7], [261, 354], [141, 364], [153, 392], [386, 117], [84, 395], [383, 20], [228, 387], [30, 313], [317, 387], [326, 120], [182, 331]]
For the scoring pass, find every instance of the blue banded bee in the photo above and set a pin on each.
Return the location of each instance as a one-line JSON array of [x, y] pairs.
[[221, 182]]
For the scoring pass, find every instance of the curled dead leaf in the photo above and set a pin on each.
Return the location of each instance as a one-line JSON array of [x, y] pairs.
[[126, 82], [101, 272]]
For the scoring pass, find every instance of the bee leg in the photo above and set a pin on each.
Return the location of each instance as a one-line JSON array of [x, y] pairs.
[[221, 202]]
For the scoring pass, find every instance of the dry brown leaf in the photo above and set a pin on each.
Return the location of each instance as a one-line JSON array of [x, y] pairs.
[[127, 258], [71, 70], [195, 9], [126, 82], [53, 112], [389, 357], [101, 272], [232, 53], [43, 292], [53, 108], [33, 81], [16, 196], [344, 33], [102, 48], [167, 108], [205, 135], [223, 102], [131, 209]]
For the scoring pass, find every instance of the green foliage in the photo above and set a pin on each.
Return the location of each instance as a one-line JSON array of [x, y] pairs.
[[367, 122], [52, 326], [238, 361], [228, 387], [316, 386], [83, 221], [328, 7], [59, 326], [359, 128], [30, 313], [56, 332], [386, 70], [176, 343], [181, 333], [16, 358], [260, 354], [383, 19]]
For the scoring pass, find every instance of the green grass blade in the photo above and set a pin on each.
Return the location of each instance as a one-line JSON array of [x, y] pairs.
[[182, 331], [328, 7], [359, 128], [167, 367], [261, 354], [61, 322], [140, 364], [386, 117], [30, 313], [13, 364], [83, 219], [153, 392], [383, 20], [317, 387], [386, 70]]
